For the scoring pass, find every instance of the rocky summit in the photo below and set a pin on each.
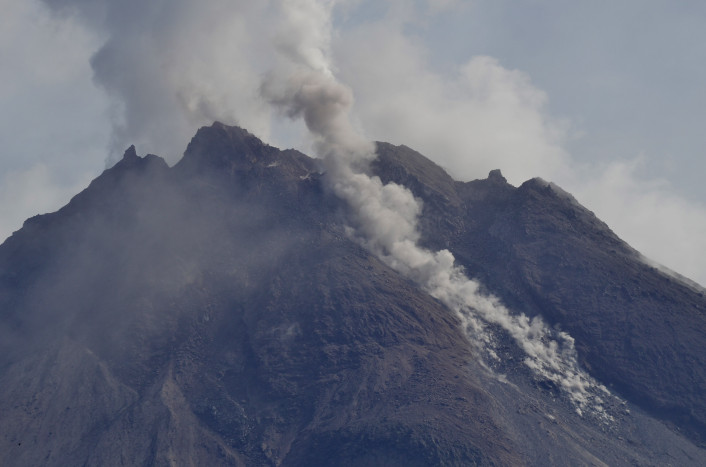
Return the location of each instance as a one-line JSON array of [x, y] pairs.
[[219, 313]]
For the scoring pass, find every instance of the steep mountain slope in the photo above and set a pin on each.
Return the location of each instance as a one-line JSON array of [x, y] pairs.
[[216, 313], [638, 330]]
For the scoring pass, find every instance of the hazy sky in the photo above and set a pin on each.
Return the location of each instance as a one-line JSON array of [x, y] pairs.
[[604, 98]]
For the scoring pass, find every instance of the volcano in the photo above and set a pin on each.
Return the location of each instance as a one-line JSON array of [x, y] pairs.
[[218, 312]]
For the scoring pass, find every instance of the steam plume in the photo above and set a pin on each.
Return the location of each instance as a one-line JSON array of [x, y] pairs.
[[171, 67], [384, 216], [200, 62]]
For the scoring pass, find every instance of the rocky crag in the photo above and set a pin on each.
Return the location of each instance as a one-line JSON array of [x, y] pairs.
[[217, 313]]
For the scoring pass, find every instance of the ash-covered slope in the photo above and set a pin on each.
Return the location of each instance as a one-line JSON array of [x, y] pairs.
[[216, 313], [638, 330]]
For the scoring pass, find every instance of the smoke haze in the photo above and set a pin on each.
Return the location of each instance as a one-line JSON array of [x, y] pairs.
[[480, 115], [384, 216], [434, 82], [173, 67]]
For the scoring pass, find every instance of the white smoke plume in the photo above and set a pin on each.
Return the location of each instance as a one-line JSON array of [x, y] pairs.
[[478, 115], [199, 62], [171, 67], [384, 216]]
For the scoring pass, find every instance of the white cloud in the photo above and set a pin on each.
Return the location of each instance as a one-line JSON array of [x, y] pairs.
[[34, 190], [485, 116], [481, 118], [172, 67], [647, 214], [52, 123], [46, 95]]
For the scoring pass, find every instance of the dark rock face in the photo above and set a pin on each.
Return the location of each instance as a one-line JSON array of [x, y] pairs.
[[216, 313], [636, 329]]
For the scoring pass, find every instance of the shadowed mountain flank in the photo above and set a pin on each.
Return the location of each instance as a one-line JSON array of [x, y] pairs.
[[219, 313], [638, 330]]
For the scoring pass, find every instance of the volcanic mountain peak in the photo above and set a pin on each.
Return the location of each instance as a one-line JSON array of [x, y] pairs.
[[131, 160], [221, 300], [230, 149], [407, 167], [130, 153], [497, 176]]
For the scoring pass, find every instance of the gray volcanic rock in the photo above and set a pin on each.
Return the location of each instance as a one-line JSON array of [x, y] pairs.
[[216, 313], [638, 330]]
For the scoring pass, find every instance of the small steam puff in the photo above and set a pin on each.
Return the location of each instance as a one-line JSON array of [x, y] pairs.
[[384, 216]]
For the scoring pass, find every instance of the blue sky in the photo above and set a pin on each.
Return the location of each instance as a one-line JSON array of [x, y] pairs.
[[604, 98]]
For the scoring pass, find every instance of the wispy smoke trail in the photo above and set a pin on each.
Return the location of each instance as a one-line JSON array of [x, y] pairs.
[[384, 216], [174, 65]]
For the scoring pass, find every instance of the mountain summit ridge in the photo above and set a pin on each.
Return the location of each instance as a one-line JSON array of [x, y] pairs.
[[222, 300]]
